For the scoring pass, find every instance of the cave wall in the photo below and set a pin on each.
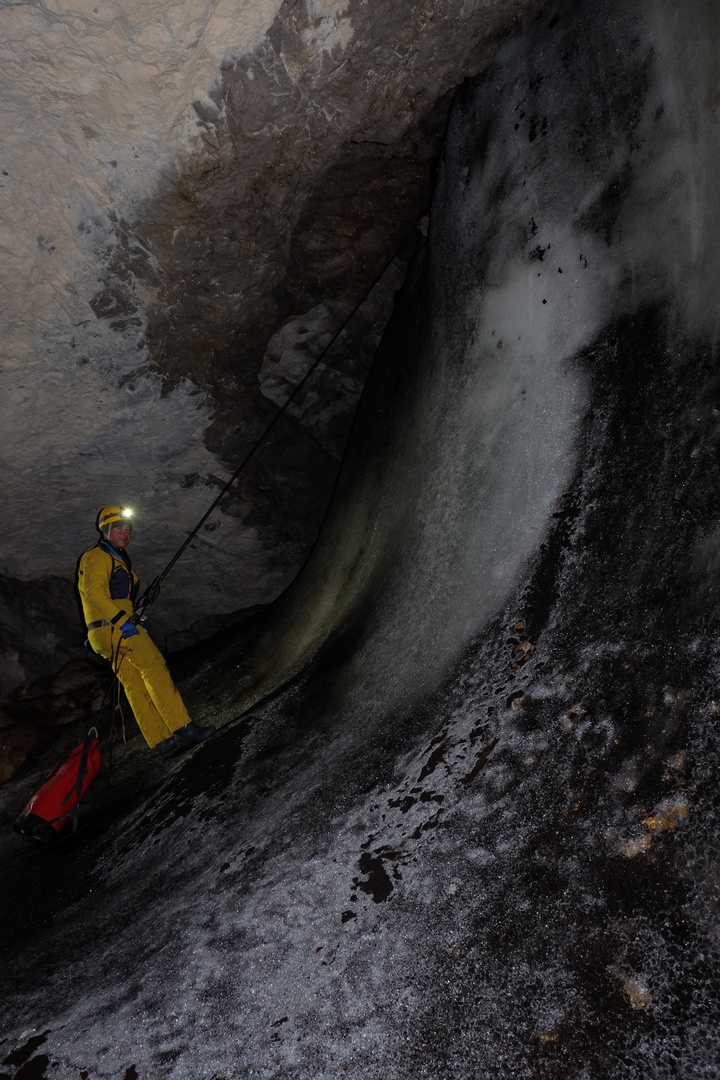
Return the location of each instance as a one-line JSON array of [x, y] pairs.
[[180, 183], [476, 834], [573, 207]]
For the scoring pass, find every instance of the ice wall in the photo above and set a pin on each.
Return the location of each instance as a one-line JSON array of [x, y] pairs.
[[563, 211], [477, 835]]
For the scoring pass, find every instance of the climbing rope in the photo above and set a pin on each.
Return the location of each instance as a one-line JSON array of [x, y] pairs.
[[112, 695], [153, 589], [117, 711]]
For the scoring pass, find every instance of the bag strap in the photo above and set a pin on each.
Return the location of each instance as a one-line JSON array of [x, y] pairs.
[[81, 774]]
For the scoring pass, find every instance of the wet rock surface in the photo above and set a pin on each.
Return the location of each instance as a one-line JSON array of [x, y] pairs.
[[461, 818]]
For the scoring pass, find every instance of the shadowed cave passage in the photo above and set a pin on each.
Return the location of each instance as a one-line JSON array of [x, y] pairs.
[[461, 819]]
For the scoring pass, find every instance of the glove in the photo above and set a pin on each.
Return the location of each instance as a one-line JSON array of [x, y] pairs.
[[128, 629]]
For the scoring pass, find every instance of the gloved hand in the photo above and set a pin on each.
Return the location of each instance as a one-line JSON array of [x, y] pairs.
[[128, 629]]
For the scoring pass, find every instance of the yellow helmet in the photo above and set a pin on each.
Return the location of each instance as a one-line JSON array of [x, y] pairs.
[[112, 515]]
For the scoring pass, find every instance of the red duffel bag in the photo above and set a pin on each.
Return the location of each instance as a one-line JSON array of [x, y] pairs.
[[53, 806]]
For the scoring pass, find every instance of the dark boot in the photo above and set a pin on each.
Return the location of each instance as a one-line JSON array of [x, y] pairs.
[[192, 734], [168, 748]]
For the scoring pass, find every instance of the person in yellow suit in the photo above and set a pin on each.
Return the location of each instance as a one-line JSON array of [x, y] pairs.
[[108, 585]]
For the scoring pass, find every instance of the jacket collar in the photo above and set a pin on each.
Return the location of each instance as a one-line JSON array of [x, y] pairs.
[[115, 552]]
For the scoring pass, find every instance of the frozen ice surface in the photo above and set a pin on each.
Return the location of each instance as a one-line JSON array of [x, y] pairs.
[[477, 834]]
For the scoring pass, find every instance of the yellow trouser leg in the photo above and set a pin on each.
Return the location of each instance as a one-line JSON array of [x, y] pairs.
[[148, 718], [153, 697]]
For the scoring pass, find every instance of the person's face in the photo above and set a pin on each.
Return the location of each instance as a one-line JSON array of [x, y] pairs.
[[120, 535]]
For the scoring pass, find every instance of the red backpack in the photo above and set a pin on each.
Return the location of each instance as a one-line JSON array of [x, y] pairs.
[[54, 804]]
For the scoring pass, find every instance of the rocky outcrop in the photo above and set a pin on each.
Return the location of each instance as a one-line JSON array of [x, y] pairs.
[[31, 719], [40, 629]]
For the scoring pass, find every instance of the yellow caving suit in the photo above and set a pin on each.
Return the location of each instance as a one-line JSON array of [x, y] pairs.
[[153, 697]]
